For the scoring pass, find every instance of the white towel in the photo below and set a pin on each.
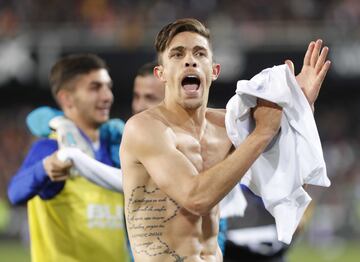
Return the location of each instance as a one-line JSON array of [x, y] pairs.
[[292, 159]]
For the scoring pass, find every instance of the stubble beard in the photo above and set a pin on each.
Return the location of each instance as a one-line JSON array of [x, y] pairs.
[[192, 105], [195, 103]]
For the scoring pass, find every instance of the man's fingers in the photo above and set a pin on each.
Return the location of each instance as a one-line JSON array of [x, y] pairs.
[[67, 164], [58, 175], [290, 64], [58, 178], [63, 164], [315, 52], [320, 62], [60, 167], [323, 72], [308, 53]]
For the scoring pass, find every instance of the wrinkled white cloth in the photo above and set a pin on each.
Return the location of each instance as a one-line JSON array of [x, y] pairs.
[[101, 174], [233, 204], [68, 135], [252, 235], [295, 155]]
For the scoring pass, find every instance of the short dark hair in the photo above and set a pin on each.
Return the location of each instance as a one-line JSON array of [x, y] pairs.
[[146, 69], [168, 32], [69, 67]]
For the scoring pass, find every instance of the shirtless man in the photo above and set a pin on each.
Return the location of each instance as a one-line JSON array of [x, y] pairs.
[[176, 157]]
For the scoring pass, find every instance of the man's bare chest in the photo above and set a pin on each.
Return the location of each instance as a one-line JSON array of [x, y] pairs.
[[206, 151]]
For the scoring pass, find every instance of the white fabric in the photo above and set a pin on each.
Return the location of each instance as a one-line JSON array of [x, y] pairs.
[[233, 204], [74, 147], [68, 135], [103, 175], [261, 240], [293, 158], [250, 235]]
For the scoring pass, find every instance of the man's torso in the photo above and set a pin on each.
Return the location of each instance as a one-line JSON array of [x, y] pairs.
[[160, 229]]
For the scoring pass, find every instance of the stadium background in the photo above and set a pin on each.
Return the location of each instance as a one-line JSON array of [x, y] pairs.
[[247, 37]]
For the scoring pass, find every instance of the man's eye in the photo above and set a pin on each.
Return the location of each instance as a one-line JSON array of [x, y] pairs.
[[176, 55], [94, 87]]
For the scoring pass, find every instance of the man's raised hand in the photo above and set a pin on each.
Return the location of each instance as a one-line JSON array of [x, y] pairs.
[[313, 71]]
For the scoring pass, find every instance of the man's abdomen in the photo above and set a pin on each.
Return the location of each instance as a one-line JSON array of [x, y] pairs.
[[160, 230]]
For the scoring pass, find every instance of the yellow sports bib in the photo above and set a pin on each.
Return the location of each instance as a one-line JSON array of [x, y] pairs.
[[84, 222]]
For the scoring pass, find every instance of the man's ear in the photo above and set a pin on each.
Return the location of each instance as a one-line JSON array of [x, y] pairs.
[[64, 98], [215, 71], [159, 72]]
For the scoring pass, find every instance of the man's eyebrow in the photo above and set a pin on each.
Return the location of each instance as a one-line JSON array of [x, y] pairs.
[[177, 48], [198, 48], [97, 82]]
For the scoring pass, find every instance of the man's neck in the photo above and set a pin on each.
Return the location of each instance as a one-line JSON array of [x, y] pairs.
[[192, 119], [92, 132]]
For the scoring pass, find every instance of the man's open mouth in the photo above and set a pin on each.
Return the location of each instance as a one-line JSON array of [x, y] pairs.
[[191, 83]]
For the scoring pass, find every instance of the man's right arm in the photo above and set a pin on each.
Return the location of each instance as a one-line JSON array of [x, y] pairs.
[[154, 146], [32, 179]]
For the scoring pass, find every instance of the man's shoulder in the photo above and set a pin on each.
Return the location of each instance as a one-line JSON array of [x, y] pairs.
[[144, 132], [149, 123], [216, 115], [218, 111], [40, 149], [45, 143], [149, 118]]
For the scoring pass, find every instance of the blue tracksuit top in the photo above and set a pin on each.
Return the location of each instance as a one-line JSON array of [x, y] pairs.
[[31, 179]]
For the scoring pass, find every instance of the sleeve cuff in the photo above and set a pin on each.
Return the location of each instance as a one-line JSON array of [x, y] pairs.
[[40, 174]]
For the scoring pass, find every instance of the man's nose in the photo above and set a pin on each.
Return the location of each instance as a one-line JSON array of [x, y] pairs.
[[107, 94], [190, 61], [190, 64]]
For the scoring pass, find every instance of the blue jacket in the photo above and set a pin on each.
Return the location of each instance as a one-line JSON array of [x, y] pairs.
[[31, 179]]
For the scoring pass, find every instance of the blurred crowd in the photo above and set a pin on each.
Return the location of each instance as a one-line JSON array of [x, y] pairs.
[[15, 139], [337, 214], [128, 21]]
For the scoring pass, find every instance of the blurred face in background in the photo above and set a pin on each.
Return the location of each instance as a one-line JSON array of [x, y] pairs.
[[148, 92], [89, 99]]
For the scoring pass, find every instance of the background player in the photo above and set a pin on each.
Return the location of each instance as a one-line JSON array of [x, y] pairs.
[[71, 219]]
